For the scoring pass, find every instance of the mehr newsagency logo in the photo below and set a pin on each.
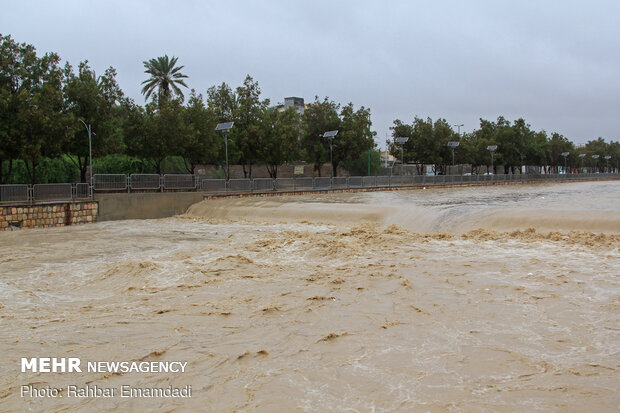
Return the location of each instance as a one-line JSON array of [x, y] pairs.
[[75, 365]]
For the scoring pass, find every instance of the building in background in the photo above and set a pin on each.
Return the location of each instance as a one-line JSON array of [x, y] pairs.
[[294, 102], [387, 159]]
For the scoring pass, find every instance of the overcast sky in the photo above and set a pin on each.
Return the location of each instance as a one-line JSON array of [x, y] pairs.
[[554, 63]]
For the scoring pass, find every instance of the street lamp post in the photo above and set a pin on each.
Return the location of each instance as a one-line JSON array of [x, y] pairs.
[[595, 157], [401, 141], [492, 149], [459, 129], [607, 158], [565, 155], [225, 128], [581, 155], [452, 146], [521, 156], [330, 135], [90, 151]]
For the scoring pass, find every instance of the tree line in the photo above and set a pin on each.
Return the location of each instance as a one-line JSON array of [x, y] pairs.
[[45, 108], [517, 145]]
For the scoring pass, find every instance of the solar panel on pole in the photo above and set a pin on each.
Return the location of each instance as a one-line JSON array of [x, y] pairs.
[[330, 135], [401, 141], [492, 148], [565, 155], [453, 145], [225, 127]]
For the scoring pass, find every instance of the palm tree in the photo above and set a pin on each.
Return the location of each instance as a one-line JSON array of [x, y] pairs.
[[164, 76]]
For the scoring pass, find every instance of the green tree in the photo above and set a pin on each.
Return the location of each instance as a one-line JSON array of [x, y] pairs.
[[368, 163], [280, 138], [523, 136], [222, 101], [38, 123], [319, 117], [155, 132], [537, 149], [614, 152], [201, 144], [601, 148], [409, 154], [248, 113], [18, 68], [165, 78], [95, 101], [505, 137], [427, 142], [354, 136], [558, 144]]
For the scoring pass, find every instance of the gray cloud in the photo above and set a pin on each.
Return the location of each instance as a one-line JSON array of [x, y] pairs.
[[555, 63]]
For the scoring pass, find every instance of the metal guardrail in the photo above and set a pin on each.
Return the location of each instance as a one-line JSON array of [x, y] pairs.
[[398, 180], [240, 185], [190, 182], [304, 184], [263, 184], [178, 181], [110, 182], [52, 192], [102, 182], [14, 193], [322, 183], [382, 181], [339, 183], [144, 181], [82, 191], [213, 185], [285, 184]]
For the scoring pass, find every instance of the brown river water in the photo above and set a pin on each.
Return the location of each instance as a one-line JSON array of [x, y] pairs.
[[503, 298]]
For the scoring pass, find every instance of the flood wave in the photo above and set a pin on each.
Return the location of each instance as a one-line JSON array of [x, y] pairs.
[[457, 210]]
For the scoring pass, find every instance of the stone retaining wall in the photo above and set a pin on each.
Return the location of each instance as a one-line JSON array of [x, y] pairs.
[[47, 215]]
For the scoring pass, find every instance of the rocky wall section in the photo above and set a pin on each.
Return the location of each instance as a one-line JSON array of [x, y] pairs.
[[47, 215]]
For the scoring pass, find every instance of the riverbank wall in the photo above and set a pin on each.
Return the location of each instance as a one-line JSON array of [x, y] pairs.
[[155, 205], [47, 215], [144, 205]]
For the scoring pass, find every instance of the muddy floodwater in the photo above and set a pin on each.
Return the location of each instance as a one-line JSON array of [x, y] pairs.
[[503, 298]]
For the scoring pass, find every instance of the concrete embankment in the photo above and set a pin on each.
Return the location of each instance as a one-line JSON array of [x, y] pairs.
[[113, 207], [118, 206]]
